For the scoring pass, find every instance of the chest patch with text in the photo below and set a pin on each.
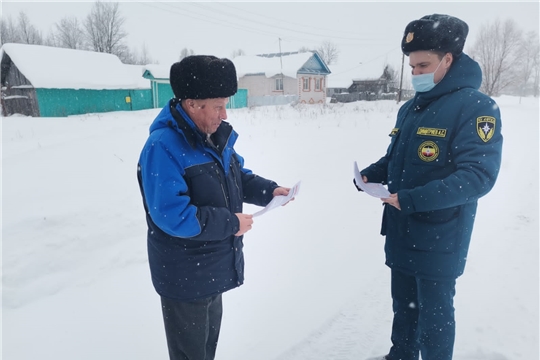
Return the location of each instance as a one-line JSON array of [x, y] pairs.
[[431, 132]]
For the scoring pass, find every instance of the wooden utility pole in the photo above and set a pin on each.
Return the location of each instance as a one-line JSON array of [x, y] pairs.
[[401, 79], [281, 67]]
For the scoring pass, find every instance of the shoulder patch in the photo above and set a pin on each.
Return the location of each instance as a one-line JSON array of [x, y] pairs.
[[431, 132], [485, 127], [394, 131]]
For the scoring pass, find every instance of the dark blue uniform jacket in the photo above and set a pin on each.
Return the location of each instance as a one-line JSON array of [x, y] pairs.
[[444, 154], [191, 189]]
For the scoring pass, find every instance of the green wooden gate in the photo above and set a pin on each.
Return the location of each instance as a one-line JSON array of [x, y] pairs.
[[238, 100]]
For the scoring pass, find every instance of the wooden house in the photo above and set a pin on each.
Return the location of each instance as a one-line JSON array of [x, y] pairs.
[[280, 78], [48, 81], [353, 82]]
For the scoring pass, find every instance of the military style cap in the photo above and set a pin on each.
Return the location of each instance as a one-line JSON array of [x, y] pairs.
[[435, 32]]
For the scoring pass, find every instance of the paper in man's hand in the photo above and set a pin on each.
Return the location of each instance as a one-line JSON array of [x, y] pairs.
[[280, 200], [373, 189]]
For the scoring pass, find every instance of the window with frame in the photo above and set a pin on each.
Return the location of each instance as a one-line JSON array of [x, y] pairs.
[[318, 84], [279, 84], [305, 82]]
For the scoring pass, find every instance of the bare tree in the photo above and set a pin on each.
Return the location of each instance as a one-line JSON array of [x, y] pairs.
[[304, 49], [389, 74], [238, 52], [135, 57], [51, 39], [536, 76], [69, 33], [104, 29], [8, 31], [145, 58], [328, 52], [495, 49], [529, 53], [126, 55], [185, 52], [27, 32]]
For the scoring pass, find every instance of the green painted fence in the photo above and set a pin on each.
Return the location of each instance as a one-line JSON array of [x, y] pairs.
[[65, 102]]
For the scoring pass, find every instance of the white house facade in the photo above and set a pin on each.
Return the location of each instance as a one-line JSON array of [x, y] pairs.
[[281, 78]]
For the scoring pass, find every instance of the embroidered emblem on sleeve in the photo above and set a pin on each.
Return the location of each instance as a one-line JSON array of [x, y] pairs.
[[428, 151], [394, 132], [485, 127]]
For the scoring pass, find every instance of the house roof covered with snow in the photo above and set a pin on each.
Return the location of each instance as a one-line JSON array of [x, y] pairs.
[[343, 74], [157, 72], [290, 64], [59, 68]]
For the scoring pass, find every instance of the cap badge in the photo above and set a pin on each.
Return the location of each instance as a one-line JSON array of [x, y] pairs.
[[409, 38]]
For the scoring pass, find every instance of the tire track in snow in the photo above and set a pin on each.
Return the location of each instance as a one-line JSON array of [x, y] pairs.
[[359, 330]]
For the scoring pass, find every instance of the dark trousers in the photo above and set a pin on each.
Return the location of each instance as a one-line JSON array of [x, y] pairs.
[[192, 327], [423, 318]]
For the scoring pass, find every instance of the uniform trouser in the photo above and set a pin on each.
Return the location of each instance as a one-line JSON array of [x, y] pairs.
[[192, 328], [423, 318]]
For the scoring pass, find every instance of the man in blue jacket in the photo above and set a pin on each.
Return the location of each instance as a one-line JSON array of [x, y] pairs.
[[444, 154], [193, 185]]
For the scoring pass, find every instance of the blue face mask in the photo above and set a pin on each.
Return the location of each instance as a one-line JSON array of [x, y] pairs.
[[424, 82]]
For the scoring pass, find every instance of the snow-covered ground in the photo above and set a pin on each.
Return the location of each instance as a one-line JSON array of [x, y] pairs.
[[75, 278]]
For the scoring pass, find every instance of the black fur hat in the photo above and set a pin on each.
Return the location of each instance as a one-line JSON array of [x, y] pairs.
[[203, 77], [435, 32]]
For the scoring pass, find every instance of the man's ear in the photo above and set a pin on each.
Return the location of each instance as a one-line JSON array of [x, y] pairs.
[[189, 106], [449, 59]]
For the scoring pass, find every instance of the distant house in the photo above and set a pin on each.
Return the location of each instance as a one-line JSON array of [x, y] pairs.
[[280, 78], [48, 81], [162, 91], [340, 80], [371, 81]]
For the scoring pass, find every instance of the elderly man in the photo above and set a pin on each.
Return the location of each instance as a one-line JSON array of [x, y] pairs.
[[193, 185], [444, 154]]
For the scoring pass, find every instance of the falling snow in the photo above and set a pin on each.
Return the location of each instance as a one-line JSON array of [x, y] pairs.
[[316, 287]]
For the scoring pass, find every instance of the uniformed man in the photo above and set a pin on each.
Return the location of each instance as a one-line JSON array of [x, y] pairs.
[[444, 154]]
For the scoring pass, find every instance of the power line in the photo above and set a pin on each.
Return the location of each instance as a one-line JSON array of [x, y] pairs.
[[275, 32], [295, 30], [181, 9], [281, 20], [204, 18]]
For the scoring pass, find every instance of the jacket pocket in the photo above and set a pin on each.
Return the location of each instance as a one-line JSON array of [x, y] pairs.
[[429, 151], [206, 185], [435, 231]]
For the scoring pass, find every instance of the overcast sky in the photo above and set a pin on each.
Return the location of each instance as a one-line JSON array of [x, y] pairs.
[[364, 32]]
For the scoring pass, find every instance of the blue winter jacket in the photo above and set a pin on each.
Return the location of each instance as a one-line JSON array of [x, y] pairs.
[[191, 190], [444, 154]]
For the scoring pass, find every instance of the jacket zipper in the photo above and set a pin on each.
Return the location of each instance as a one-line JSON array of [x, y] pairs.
[[222, 188], [235, 179]]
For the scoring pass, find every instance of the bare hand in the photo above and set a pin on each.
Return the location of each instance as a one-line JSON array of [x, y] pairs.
[[282, 191], [246, 223], [392, 200], [364, 179]]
